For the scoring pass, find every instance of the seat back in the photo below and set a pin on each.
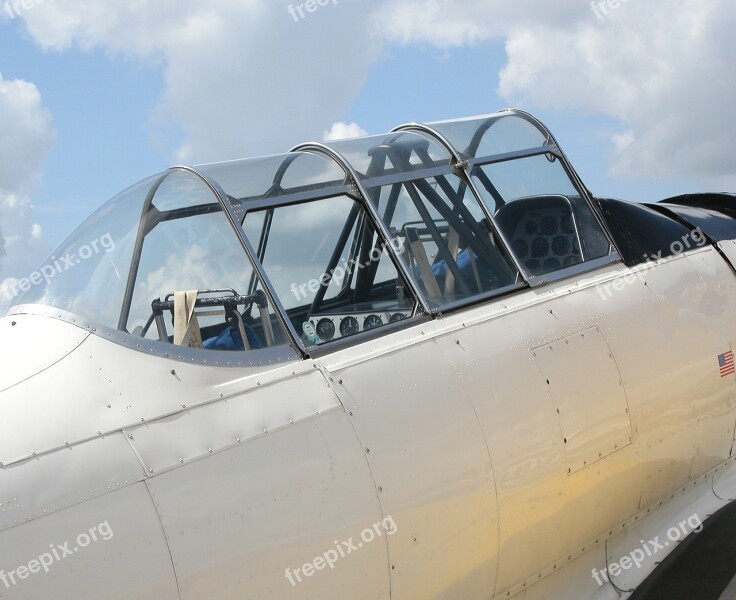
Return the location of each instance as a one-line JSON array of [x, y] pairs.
[[543, 232]]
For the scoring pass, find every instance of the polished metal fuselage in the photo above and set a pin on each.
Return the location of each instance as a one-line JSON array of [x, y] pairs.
[[516, 446]]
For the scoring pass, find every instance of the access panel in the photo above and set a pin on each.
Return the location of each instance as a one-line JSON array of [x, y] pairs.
[[586, 388]]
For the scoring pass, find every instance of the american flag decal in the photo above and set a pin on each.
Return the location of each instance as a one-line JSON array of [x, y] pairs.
[[725, 362]]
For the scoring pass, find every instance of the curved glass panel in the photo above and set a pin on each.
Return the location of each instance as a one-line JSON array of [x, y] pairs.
[[163, 262], [449, 245], [329, 268], [193, 283], [391, 154], [542, 215], [260, 178], [87, 274], [500, 133]]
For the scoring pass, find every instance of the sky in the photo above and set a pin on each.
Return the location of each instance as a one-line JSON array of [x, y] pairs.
[[96, 95]]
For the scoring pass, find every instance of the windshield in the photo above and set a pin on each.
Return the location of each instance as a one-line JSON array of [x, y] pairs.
[[163, 262], [87, 274]]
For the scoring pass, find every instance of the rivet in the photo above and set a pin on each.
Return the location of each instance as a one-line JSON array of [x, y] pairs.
[[150, 470]]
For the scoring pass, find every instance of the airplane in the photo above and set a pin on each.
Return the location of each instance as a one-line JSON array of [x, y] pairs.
[[428, 364]]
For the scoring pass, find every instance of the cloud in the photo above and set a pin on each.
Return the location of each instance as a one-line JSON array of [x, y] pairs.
[[241, 78], [456, 23], [344, 131], [661, 70], [245, 78], [26, 135]]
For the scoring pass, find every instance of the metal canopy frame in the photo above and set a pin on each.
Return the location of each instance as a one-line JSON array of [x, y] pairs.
[[465, 162], [372, 211], [363, 188]]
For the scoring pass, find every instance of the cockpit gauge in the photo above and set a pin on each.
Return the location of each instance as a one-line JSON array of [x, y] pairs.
[[349, 326], [326, 329], [371, 322]]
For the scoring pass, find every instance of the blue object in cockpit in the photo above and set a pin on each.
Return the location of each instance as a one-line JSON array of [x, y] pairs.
[[463, 263], [230, 339], [465, 266]]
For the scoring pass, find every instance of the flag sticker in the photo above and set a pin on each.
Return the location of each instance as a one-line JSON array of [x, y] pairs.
[[725, 362]]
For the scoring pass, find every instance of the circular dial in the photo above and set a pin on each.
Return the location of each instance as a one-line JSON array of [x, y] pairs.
[[395, 318], [372, 321], [349, 326], [326, 329]]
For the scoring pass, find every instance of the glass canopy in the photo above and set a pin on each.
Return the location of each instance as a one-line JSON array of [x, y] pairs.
[[493, 135], [327, 244]]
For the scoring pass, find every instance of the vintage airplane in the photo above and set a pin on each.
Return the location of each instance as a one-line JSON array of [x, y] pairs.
[[426, 364]]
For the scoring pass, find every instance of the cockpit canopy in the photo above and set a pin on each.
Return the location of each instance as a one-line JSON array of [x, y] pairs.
[[329, 242]]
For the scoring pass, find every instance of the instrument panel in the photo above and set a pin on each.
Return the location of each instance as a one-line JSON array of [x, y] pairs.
[[334, 327]]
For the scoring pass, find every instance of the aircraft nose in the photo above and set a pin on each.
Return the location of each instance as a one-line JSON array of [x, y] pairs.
[[30, 344]]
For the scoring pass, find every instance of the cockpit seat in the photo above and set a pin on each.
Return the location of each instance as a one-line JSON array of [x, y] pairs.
[[543, 232]]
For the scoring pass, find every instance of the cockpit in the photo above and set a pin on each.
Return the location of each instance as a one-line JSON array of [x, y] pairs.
[[328, 244]]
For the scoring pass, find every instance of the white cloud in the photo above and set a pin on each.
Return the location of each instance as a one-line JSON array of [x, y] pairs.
[[344, 131], [453, 23], [622, 141], [241, 78], [26, 134], [663, 70], [244, 78]]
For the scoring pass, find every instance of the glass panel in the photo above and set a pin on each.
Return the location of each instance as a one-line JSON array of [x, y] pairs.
[[192, 246], [449, 245], [275, 175], [329, 268], [394, 153], [540, 212], [88, 273], [487, 136]]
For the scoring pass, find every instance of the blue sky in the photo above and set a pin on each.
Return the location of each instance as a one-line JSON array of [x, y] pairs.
[[97, 96]]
